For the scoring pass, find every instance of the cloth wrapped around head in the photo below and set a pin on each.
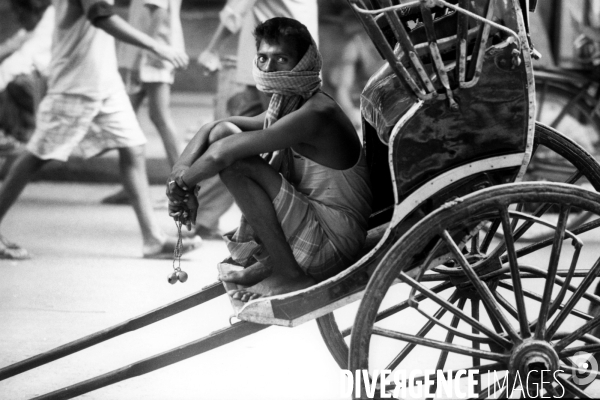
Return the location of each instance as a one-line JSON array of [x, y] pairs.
[[290, 89]]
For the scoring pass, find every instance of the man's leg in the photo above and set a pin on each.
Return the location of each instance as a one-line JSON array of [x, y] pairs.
[[254, 185], [159, 97], [17, 178], [135, 98]]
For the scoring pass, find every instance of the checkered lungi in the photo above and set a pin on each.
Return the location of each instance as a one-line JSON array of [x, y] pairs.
[[313, 250]]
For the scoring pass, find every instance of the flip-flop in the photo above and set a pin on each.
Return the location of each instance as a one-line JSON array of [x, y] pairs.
[[168, 247], [11, 253]]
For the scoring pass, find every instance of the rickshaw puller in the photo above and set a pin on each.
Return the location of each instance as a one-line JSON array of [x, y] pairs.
[[305, 212]]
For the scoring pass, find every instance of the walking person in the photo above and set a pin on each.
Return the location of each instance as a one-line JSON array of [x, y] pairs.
[[146, 75], [85, 87]]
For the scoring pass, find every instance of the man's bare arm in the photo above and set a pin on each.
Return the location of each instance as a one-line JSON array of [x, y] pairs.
[[121, 30], [302, 126]]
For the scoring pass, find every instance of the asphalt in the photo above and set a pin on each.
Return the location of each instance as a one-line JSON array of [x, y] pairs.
[[87, 274]]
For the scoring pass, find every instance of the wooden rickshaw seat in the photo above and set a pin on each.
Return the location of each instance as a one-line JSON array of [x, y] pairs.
[[425, 147]]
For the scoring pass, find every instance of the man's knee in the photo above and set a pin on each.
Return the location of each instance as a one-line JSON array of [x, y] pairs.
[[222, 130], [238, 168]]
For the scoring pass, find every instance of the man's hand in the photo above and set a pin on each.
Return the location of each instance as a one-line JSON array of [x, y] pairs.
[[176, 57], [185, 212], [209, 60], [177, 190]]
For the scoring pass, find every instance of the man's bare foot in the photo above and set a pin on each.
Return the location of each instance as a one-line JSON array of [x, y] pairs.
[[271, 286], [249, 275]]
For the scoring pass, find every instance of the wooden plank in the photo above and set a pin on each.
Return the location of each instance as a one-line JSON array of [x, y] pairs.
[[212, 341], [207, 293]]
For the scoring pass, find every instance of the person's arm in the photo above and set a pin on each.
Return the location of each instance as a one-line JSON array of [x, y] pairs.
[[302, 126], [199, 143], [121, 30], [230, 21], [209, 58], [102, 15]]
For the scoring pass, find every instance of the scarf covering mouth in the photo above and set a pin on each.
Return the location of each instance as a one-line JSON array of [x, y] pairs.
[[290, 89]]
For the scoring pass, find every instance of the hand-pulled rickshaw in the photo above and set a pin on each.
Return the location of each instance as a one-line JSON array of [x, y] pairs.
[[446, 273]]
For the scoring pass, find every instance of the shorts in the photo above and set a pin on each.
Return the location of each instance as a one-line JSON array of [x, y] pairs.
[[134, 79], [67, 122], [315, 253]]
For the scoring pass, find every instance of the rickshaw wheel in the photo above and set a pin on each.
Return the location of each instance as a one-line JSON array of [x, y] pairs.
[[527, 308], [557, 158], [583, 170], [568, 108]]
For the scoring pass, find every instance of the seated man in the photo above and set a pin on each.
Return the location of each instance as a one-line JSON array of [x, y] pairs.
[[304, 213]]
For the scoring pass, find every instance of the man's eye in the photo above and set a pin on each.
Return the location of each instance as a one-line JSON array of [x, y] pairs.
[[281, 60], [262, 59]]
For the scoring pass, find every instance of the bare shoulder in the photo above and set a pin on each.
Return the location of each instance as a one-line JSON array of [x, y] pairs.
[[326, 109]]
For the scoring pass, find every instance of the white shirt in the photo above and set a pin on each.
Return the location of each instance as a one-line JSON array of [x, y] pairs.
[[83, 56], [34, 52]]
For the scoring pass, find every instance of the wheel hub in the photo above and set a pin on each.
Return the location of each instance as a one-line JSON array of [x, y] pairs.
[[533, 361]]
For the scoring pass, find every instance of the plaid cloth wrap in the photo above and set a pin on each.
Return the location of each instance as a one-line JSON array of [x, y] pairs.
[[290, 90], [314, 252], [312, 249]]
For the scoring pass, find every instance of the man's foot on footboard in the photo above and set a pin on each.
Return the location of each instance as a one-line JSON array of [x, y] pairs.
[[273, 285], [248, 276]]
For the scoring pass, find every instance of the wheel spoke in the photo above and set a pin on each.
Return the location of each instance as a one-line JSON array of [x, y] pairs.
[[514, 272], [588, 226], [437, 344], [540, 331], [535, 296], [572, 388], [568, 106], [475, 344], [402, 306], [506, 305], [578, 333], [449, 339], [575, 297], [489, 236], [422, 332], [482, 289], [454, 310], [541, 100]]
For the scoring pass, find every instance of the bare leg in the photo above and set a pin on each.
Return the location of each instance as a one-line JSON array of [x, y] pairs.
[[159, 97], [254, 185], [132, 165], [24, 167], [121, 197]]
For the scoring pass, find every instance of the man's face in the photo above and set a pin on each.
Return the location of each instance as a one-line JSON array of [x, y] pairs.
[[277, 56]]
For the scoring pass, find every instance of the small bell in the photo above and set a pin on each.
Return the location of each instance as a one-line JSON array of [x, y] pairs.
[[182, 276], [172, 278]]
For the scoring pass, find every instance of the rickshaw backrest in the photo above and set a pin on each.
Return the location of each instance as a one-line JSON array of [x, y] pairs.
[[456, 88]]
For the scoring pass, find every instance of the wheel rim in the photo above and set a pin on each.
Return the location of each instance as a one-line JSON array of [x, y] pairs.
[[510, 325]]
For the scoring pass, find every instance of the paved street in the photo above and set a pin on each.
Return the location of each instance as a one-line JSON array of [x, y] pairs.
[[87, 275]]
